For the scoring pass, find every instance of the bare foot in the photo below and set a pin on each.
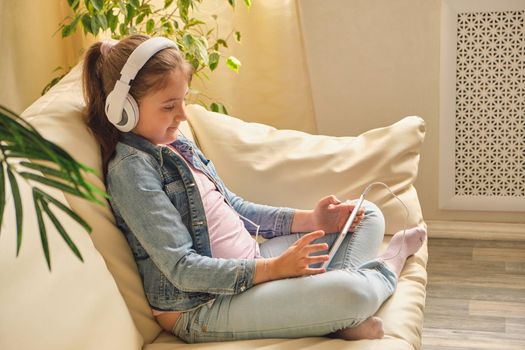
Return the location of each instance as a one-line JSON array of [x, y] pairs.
[[371, 328], [402, 246]]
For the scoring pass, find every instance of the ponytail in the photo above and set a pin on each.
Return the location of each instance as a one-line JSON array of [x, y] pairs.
[[94, 94]]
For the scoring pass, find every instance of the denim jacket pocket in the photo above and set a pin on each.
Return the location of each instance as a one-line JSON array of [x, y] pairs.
[[178, 196]]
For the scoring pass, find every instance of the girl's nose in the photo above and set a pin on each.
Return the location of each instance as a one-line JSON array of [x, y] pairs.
[[182, 116]]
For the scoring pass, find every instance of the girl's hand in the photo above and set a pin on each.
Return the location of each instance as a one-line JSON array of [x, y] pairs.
[[330, 214], [295, 261]]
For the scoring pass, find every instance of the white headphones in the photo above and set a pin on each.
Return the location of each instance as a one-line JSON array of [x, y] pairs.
[[121, 108]]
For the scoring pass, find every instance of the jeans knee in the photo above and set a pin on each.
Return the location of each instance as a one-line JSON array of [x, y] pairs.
[[359, 301], [374, 216]]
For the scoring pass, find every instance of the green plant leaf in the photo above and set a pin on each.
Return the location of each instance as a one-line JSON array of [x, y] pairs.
[[112, 20], [193, 22], [89, 6], [73, 4], [46, 170], [21, 140], [167, 3], [233, 63], [52, 183], [248, 3], [95, 26], [98, 4], [61, 231], [135, 3], [42, 230], [218, 108], [102, 21], [65, 209], [150, 24], [238, 37], [2, 192], [67, 30], [188, 40], [18, 208], [214, 60], [201, 50], [168, 28], [232, 2], [98, 191], [140, 18], [222, 42], [131, 12], [183, 6], [123, 29], [195, 64], [86, 24]]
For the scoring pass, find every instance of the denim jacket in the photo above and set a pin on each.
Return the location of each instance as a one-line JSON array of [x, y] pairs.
[[158, 207]]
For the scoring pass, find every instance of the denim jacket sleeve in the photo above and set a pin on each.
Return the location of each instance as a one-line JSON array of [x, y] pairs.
[[136, 188]]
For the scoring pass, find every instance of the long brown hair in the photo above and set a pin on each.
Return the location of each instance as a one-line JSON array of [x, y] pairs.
[[101, 71]]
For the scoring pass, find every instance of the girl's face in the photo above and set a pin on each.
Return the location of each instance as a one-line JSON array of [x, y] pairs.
[[161, 112]]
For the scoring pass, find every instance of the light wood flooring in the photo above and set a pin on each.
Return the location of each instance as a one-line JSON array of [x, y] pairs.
[[475, 295]]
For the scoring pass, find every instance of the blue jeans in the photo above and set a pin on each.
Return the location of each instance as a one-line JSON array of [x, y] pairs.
[[352, 290]]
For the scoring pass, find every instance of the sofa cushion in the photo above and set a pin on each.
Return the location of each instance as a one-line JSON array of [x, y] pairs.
[[293, 168], [75, 305]]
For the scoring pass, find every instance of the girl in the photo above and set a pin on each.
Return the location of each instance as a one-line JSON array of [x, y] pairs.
[[205, 278]]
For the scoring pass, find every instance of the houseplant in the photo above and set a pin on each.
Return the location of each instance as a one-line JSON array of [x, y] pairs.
[[197, 38], [24, 152]]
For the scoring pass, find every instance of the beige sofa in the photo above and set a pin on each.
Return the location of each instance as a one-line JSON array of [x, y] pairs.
[[99, 304]]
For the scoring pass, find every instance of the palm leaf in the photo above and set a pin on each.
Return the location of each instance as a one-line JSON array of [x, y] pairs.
[[52, 183], [22, 146], [46, 170], [42, 230], [65, 209], [18, 208], [2, 193], [61, 231]]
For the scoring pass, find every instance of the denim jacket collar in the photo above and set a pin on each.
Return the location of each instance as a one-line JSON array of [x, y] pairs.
[[136, 141]]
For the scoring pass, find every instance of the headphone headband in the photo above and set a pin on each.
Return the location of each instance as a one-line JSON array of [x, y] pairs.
[[141, 55], [121, 108]]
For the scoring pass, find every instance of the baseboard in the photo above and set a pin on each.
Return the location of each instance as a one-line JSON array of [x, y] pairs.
[[476, 230]]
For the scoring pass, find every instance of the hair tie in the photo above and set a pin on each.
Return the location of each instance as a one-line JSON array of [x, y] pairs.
[[106, 46]]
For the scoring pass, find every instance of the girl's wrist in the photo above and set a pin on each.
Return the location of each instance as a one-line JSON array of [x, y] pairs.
[[265, 270], [304, 221], [271, 269]]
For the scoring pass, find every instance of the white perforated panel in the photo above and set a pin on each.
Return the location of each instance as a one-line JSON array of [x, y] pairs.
[[490, 104]]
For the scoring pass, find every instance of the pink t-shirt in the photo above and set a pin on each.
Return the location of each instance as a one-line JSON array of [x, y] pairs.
[[229, 238]]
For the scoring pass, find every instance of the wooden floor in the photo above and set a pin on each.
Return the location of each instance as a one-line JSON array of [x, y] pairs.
[[475, 295]]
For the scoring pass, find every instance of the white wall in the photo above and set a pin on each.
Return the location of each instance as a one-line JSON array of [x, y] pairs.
[[372, 62]]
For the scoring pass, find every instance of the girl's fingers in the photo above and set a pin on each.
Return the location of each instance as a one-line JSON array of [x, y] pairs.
[[309, 237], [317, 259], [316, 247], [314, 271]]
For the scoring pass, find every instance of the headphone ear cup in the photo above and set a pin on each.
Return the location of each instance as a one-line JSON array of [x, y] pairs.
[[130, 114]]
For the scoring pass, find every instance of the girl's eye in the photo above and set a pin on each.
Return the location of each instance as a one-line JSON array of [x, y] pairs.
[[169, 108]]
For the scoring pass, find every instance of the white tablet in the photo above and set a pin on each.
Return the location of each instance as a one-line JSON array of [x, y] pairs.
[[344, 231]]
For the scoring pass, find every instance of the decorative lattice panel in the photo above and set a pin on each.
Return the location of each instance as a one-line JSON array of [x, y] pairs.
[[490, 104]]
